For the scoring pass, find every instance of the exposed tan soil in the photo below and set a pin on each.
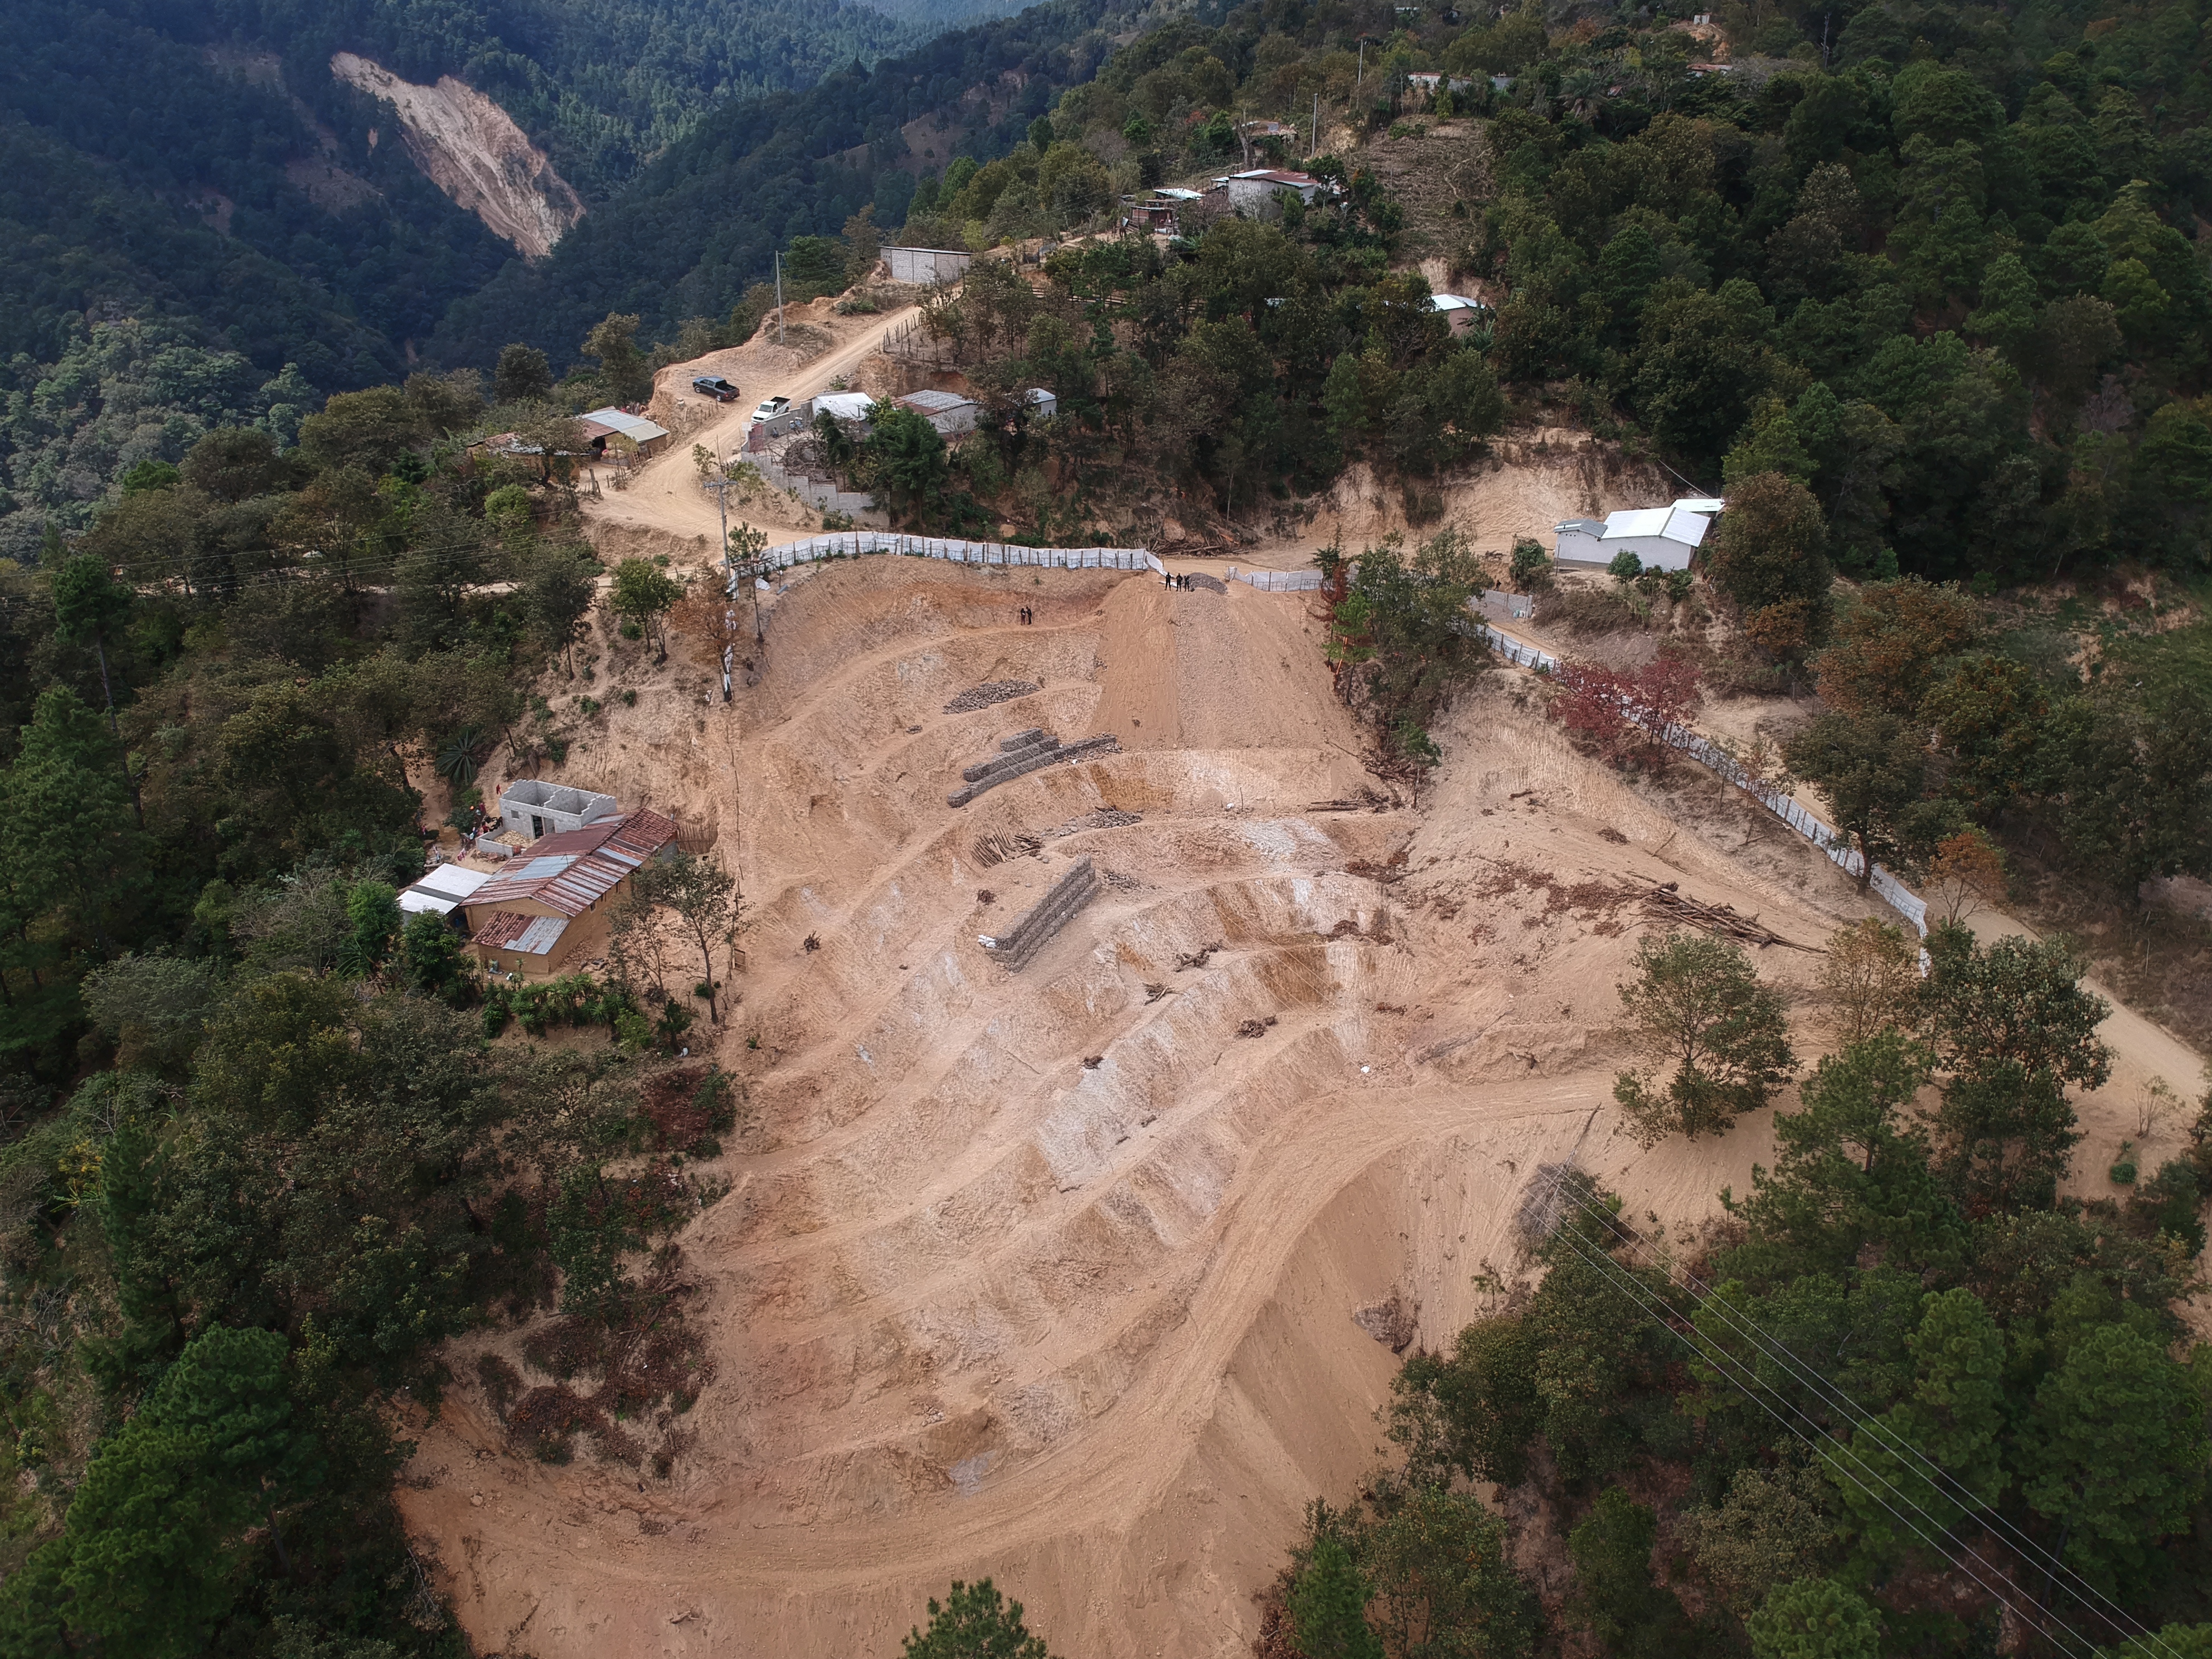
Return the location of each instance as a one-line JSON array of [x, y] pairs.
[[662, 509], [976, 1305], [471, 148]]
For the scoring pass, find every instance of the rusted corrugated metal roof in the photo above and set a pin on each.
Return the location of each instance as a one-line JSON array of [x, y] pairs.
[[531, 936], [572, 871]]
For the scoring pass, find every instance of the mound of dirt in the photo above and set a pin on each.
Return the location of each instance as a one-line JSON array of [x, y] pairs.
[[1060, 1278]]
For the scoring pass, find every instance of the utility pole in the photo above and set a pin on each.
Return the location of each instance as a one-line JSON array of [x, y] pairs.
[[1360, 79], [1313, 139], [779, 297]]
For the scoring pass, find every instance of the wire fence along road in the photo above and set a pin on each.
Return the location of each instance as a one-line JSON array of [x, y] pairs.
[[858, 543], [1705, 752]]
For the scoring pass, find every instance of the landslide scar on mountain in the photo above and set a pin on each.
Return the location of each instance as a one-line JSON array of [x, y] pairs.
[[470, 147]]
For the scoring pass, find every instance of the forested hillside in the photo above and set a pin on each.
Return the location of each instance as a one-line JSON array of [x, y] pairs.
[[1938, 268], [199, 174], [699, 225]]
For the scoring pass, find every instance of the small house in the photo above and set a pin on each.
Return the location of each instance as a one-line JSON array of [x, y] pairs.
[[531, 918], [602, 426], [1460, 313], [948, 411], [1260, 194], [849, 406], [1043, 405], [552, 809], [1426, 84], [926, 265], [1662, 537]]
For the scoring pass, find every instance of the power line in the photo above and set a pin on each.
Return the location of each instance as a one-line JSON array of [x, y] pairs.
[[1622, 1280], [1860, 1419]]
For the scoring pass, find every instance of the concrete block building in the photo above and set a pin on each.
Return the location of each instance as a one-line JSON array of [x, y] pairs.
[[551, 809], [535, 917]]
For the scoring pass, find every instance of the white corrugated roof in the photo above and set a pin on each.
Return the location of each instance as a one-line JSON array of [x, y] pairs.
[[1700, 504], [935, 402], [845, 405], [1454, 302], [414, 901], [1676, 524], [635, 427], [452, 881], [1637, 521]]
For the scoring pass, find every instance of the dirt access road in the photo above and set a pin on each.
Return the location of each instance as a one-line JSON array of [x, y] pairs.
[[663, 509], [1070, 1277]]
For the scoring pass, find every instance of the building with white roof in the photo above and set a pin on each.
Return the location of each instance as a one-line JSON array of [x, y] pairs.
[[948, 411], [845, 405], [1460, 313], [442, 889], [1259, 194], [1662, 537]]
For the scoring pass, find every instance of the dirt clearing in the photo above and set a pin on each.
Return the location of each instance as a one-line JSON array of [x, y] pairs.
[[1055, 1276]]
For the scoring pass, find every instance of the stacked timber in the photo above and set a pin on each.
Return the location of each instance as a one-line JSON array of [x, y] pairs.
[[1030, 934]]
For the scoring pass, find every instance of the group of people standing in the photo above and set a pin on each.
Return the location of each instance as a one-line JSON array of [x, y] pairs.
[[1175, 579], [1027, 616]]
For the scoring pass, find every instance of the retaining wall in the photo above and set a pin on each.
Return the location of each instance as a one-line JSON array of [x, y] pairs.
[[1023, 754], [1074, 889]]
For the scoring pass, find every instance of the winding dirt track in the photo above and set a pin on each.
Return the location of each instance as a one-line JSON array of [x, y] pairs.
[[1052, 1277]]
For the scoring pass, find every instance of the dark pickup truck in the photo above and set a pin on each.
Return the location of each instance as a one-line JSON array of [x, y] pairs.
[[721, 391]]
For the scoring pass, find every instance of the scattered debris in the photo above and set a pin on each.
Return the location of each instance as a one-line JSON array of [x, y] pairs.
[[991, 691], [1669, 903], [1153, 993], [985, 895], [812, 943], [1199, 959], [1608, 833], [1106, 817], [991, 847], [1092, 1062], [1120, 881], [1252, 1028], [1367, 800]]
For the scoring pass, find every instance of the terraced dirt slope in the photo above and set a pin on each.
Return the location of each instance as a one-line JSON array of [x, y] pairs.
[[1054, 1276]]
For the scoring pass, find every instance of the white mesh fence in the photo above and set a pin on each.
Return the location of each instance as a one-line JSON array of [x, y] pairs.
[[1784, 806]]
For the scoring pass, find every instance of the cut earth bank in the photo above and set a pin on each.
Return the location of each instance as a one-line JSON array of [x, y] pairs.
[[1052, 1277]]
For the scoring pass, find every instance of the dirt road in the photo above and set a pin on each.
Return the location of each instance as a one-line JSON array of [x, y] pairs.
[[663, 507]]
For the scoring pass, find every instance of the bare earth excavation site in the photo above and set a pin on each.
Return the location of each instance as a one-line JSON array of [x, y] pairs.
[[1089, 1276]]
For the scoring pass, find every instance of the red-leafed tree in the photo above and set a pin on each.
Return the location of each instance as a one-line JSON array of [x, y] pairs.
[[1619, 712]]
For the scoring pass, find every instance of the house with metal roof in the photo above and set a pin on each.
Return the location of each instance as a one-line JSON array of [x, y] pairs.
[[1260, 193], [1662, 537], [948, 411], [1460, 313], [601, 426], [530, 917]]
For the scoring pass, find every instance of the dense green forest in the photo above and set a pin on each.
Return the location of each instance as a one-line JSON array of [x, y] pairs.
[[1908, 1402], [258, 1156], [1937, 266]]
